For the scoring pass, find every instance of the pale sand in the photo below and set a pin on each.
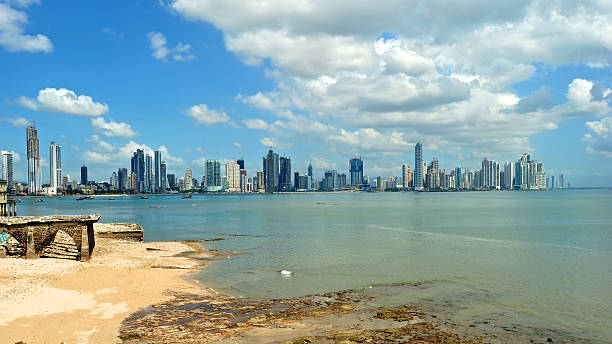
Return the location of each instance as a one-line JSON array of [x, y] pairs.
[[56, 300]]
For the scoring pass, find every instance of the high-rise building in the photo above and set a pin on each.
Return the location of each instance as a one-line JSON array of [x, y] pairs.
[[157, 186], [162, 178], [561, 181], [406, 176], [188, 179], [122, 179], [114, 181], [418, 167], [261, 186], [284, 177], [458, 177], [55, 165], [214, 182], [240, 163], [521, 172], [33, 151], [148, 173], [84, 175], [508, 175], [6, 173], [271, 171], [330, 180], [310, 178], [171, 181], [138, 167], [232, 172], [356, 171]]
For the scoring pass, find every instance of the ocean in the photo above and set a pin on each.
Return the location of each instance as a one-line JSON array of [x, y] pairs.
[[532, 260]]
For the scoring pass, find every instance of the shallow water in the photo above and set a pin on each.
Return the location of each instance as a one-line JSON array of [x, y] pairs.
[[536, 259]]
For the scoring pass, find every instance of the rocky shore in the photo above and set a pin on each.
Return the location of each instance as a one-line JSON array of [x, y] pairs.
[[136, 292]]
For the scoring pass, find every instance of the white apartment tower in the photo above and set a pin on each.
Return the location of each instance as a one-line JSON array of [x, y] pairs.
[[55, 165]]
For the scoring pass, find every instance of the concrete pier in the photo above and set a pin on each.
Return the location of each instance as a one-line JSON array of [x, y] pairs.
[[35, 233]]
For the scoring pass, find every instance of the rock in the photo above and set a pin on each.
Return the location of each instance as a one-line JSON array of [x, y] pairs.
[[3, 251]]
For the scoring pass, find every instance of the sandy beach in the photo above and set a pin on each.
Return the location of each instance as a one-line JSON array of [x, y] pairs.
[[58, 300]]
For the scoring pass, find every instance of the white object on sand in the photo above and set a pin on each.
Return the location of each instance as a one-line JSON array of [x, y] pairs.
[[286, 272]]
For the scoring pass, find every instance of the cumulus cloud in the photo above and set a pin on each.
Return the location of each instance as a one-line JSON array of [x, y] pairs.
[[65, 101], [271, 142], [443, 74], [237, 145], [18, 122], [181, 52], [599, 137], [201, 114], [112, 128], [12, 30]]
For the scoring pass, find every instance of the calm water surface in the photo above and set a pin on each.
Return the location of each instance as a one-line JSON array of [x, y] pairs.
[[536, 259]]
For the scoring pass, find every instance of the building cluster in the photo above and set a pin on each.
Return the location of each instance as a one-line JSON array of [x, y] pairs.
[[148, 174]]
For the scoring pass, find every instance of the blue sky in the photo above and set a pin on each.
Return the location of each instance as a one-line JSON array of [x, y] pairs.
[[221, 80]]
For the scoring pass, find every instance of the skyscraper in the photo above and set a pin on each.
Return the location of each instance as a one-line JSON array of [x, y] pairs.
[[171, 181], [55, 165], [310, 178], [406, 176], [240, 163], [284, 178], [138, 167], [458, 177], [6, 172], [122, 179], [83, 175], [188, 179], [214, 182], [162, 178], [232, 172], [418, 167], [33, 151], [148, 173], [508, 175], [271, 171], [356, 171], [157, 172]]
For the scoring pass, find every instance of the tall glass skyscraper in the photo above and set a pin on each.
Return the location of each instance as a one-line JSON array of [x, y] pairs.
[[213, 176], [157, 172], [271, 171], [356, 171], [138, 167], [418, 167], [7, 171], [162, 178], [84, 175], [284, 177]]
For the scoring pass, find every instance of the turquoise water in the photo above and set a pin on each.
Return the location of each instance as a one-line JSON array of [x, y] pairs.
[[537, 259]]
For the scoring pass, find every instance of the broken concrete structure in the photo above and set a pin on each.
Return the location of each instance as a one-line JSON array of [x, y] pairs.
[[8, 207], [36, 232]]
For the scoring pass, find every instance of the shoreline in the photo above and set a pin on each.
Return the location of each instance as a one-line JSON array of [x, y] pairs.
[[147, 292]]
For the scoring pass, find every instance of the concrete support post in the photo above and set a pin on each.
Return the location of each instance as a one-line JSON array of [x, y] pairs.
[[84, 252], [30, 248]]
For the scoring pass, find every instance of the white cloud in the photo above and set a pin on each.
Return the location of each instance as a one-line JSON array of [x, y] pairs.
[[18, 122], [12, 30], [201, 114], [237, 145], [271, 142], [112, 128], [62, 100], [599, 137], [444, 74], [181, 52]]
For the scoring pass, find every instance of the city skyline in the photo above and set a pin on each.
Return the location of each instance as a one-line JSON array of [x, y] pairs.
[[196, 87]]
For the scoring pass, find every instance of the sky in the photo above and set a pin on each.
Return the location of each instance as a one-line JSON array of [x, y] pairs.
[[318, 81]]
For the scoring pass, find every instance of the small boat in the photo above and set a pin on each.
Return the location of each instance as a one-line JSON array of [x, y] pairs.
[[144, 197], [111, 198], [82, 198], [186, 196], [40, 200]]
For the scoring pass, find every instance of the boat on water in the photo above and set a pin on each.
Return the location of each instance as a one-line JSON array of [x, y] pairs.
[[187, 196], [144, 197], [111, 198], [40, 200], [83, 198]]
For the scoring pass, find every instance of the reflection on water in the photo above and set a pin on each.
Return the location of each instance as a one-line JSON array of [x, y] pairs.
[[540, 259]]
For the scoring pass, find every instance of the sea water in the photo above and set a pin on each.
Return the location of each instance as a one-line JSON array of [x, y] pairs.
[[536, 259]]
